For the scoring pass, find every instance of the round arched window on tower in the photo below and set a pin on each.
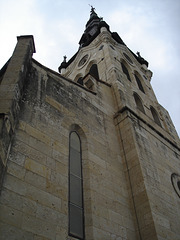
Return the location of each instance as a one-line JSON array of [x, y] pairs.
[[83, 60]]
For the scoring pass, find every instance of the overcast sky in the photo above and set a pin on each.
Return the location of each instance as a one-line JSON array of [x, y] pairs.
[[151, 27]]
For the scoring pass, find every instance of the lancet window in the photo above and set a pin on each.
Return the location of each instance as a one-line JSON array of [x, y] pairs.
[[76, 208]]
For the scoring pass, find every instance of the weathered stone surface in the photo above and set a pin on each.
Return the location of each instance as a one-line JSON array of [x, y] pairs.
[[11, 232], [127, 158]]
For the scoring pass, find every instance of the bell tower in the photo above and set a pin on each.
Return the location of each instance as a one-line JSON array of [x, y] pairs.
[[148, 141], [103, 56]]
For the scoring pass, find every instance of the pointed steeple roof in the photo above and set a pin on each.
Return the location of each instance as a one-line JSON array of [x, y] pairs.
[[93, 20], [92, 27], [92, 30]]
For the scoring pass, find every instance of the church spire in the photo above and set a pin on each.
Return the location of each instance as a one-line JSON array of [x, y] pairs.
[[93, 11], [91, 28], [93, 16]]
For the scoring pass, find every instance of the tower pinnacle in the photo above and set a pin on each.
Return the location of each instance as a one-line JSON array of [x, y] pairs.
[[92, 9]]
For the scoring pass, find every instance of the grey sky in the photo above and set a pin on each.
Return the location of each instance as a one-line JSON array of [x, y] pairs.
[[149, 26]]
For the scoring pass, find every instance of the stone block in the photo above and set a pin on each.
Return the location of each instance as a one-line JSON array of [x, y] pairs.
[[59, 191], [37, 237], [160, 220], [31, 131], [22, 136], [13, 233], [64, 207], [115, 217], [47, 214], [37, 168], [35, 180], [29, 206], [30, 152], [50, 163], [16, 185], [17, 158], [40, 146], [44, 198], [59, 179], [59, 156], [11, 199], [16, 170], [58, 146], [39, 227], [10, 216], [61, 168]]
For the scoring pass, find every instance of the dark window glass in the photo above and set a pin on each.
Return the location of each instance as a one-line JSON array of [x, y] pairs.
[[138, 103], [80, 81], [75, 191], [155, 116], [178, 183], [75, 162], [94, 71], [76, 211], [74, 141], [139, 83], [76, 223], [125, 71]]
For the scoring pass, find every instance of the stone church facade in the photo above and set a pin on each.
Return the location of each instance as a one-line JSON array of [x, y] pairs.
[[88, 153]]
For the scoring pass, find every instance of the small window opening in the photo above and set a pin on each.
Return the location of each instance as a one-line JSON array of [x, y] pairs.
[[89, 84], [125, 71], [155, 116], [178, 184], [138, 103], [139, 83], [94, 71], [80, 81]]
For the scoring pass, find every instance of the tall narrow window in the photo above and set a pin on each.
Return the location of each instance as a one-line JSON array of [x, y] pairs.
[[94, 71], [76, 210], [125, 71], [138, 103], [139, 83], [155, 116]]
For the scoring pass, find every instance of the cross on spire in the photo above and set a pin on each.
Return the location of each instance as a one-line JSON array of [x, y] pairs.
[[92, 9]]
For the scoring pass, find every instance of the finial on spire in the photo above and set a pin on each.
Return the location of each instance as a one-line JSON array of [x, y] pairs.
[[138, 53], [92, 9], [64, 58]]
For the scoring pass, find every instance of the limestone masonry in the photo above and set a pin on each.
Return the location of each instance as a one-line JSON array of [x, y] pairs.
[[87, 153]]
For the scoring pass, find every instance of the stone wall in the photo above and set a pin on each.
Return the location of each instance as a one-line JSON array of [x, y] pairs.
[[128, 160], [34, 197], [150, 159]]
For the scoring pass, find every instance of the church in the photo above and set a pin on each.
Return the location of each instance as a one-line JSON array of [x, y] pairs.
[[86, 153]]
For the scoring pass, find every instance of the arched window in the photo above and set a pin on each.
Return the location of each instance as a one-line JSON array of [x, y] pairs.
[[155, 116], [76, 209], [139, 83], [138, 103], [94, 71], [125, 71]]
